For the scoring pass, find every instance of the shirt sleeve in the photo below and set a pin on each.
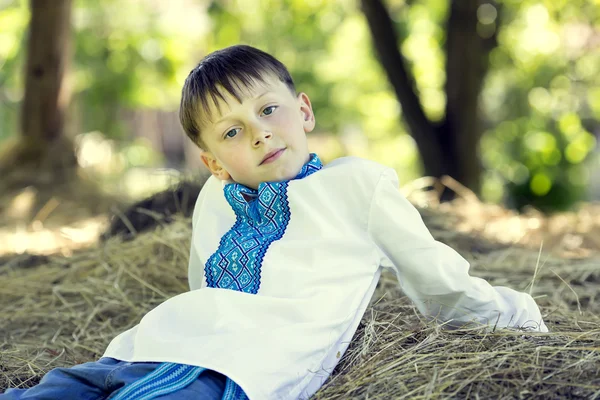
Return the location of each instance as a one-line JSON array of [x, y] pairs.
[[434, 276], [195, 268], [195, 263]]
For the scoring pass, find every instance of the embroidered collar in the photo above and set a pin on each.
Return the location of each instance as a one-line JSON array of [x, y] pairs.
[[261, 200]]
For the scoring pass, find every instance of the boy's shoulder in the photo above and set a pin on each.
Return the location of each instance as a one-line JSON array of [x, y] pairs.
[[356, 168]]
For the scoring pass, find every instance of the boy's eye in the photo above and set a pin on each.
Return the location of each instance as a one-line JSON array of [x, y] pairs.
[[229, 133], [269, 110]]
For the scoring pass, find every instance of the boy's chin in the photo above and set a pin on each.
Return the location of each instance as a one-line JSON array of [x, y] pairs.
[[280, 176]]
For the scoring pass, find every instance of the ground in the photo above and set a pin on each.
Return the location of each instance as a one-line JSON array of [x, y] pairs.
[[64, 305]]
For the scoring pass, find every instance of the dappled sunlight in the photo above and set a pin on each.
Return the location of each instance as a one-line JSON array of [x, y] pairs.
[[60, 226], [22, 204], [132, 169], [571, 234], [61, 218], [94, 150], [37, 239]]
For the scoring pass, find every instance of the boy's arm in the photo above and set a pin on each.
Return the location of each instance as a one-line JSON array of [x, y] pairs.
[[433, 275]]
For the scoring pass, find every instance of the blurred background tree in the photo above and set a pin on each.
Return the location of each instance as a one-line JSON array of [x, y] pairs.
[[448, 146], [542, 105], [535, 110], [41, 144]]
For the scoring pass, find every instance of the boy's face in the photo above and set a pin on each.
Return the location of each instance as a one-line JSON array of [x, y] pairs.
[[241, 136]]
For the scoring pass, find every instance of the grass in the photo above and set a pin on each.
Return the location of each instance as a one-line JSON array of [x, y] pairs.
[[60, 311]]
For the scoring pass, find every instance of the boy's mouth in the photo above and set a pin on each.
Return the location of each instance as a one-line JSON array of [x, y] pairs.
[[272, 156]]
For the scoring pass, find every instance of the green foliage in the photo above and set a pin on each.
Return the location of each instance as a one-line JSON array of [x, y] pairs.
[[14, 17], [127, 55], [540, 103]]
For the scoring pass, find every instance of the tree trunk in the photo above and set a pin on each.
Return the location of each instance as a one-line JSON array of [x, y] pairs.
[[452, 146], [48, 51], [466, 64], [43, 153], [422, 130]]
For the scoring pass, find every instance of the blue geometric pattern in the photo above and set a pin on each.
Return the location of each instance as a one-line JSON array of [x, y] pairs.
[[233, 391], [259, 222], [236, 265], [167, 378]]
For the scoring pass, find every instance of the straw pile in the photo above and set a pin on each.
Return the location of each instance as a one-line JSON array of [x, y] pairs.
[[58, 311]]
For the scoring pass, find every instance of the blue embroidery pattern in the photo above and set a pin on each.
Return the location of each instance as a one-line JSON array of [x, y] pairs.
[[233, 391], [165, 379], [237, 262]]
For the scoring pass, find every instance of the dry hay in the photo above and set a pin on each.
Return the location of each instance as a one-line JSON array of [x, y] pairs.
[[66, 310]]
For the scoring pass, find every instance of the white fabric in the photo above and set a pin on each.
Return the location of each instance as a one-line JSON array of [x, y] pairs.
[[348, 220]]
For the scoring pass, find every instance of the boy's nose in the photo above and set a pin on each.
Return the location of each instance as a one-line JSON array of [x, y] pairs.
[[260, 135]]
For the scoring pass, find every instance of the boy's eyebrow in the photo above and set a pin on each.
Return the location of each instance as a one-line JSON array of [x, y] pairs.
[[255, 98]]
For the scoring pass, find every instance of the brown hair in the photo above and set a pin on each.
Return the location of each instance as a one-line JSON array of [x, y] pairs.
[[231, 68]]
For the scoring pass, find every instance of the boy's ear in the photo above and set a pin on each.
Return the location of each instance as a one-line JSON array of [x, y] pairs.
[[307, 113], [214, 166]]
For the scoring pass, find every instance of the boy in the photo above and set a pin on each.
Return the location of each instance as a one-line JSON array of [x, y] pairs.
[[286, 253]]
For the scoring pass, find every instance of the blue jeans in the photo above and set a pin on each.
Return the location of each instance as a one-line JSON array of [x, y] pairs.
[[100, 379]]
